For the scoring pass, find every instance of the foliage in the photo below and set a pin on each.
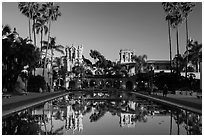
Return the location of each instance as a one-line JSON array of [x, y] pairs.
[[140, 63], [36, 82], [17, 53]]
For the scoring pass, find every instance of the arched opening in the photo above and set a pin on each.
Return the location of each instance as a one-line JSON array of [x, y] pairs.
[[108, 84], [129, 85], [72, 84], [101, 84], [92, 83], [85, 84], [116, 84], [60, 83]]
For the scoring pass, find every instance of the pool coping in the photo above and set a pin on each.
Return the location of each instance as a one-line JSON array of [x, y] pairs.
[[170, 103], [8, 112]]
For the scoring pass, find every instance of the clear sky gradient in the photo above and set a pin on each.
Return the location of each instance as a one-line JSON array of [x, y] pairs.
[[109, 27]]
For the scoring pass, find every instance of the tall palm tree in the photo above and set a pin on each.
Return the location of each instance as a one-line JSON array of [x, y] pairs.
[[29, 10], [52, 12], [34, 18], [167, 8], [41, 26], [175, 13], [52, 46], [186, 8]]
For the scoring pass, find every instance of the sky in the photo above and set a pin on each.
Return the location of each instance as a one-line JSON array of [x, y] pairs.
[[111, 26]]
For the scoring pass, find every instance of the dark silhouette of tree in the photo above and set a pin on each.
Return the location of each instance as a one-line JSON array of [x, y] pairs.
[[17, 53]]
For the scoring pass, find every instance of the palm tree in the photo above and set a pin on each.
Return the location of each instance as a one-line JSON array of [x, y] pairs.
[[52, 13], [195, 53], [26, 9], [52, 46], [140, 62], [175, 17], [29, 9], [41, 26], [167, 9], [35, 15], [186, 9], [178, 63]]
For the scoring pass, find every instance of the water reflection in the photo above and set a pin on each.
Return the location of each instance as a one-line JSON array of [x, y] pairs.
[[74, 113]]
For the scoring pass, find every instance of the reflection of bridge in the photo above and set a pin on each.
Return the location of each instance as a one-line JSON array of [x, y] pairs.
[[125, 83]]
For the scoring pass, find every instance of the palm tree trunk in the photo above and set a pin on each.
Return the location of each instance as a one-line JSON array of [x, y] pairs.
[[29, 29], [41, 37], [186, 47], [177, 40], [34, 33], [170, 44], [45, 62], [51, 63]]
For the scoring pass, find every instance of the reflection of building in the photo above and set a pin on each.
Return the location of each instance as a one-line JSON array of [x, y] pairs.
[[126, 120], [74, 120]]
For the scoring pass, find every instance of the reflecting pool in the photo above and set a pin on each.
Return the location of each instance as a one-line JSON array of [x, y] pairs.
[[115, 113]]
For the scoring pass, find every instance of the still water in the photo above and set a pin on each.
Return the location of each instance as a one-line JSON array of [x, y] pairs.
[[102, 114]]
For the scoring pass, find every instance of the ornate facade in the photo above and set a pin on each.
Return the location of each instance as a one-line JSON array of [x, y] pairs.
[[73, 56], [126, 56]]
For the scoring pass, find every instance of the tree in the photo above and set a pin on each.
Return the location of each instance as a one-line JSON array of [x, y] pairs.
[[175, 17], [41, 26], [194, 53], [26, 9], [94, 54], [167, 8], [17, 53], [87, 61], [140, 62], [178, 63], [52, 12], [30, 10], [52, 46], [186, 9]]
